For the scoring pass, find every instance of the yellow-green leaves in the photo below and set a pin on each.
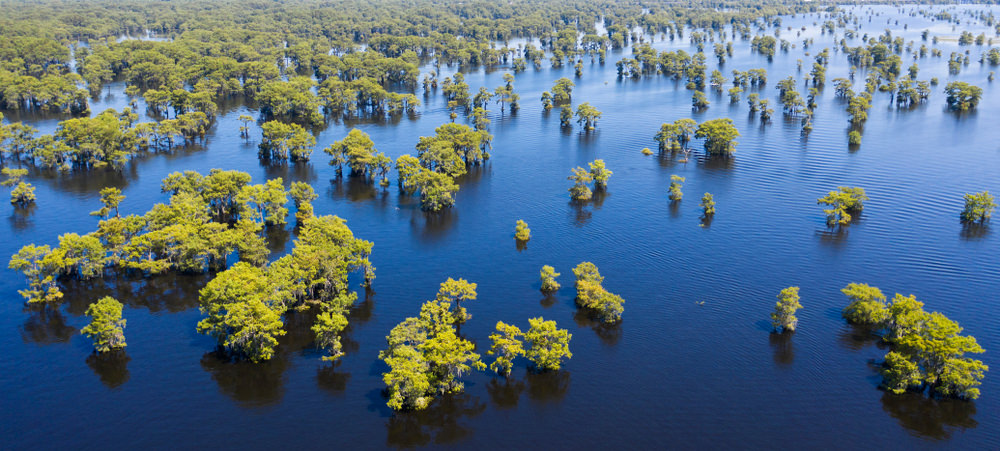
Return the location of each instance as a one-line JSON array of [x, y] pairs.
[[106, 328], [506, 346], [521, 231], [844, 203], [978, 207], [590, 294], [676, 183], [783, 319], [548, 275], [547, 344]]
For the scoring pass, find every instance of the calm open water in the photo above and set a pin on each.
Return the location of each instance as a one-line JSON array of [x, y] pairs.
[[675, 373]]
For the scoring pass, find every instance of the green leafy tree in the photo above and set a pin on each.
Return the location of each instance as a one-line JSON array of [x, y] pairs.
[[719, 135], [457, 291], [676, 182], [783, 318], [962, 96], [587, 115], [978, 207], [242, 312], [282, 141], [707, 204], [548, 345], [437, 191], [111, 197], [844, 204], [106, 327], [357, 150], [590, 293], [675, 136], [303, 195], [699, 101], [899, 374], [327, 329], [40, 265], [565, 115], [580, 191], [548, 275], [562, 91], [506, 346], [600, 174], [245, 128], [23, 193], [868, 305], [521, 231]]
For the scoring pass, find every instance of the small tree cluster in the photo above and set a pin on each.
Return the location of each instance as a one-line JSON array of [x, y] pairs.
[[927, 350], [547, 345], [844, 204], [598, 174], [590, 294]]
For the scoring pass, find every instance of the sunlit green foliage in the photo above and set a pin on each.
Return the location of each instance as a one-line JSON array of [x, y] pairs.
[[600, 174], [425, 358], [506, 346], [707, 204], [548, 345], [548, 275], [587, 115], [40, 266], [676, 182], [457, 291], [111, 197], [962, 96], [844, 204], [106, 327], [783, 319], [590, 294], [928, 352], [580, 191], [23, 193], [675, 136], [521, 231], [282, 141], [719, 135], [978, 207]]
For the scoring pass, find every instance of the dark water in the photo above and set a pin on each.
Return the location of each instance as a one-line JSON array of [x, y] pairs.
[[675, 373]]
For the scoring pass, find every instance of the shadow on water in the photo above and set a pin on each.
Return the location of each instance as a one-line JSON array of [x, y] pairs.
[[974, 231], [277, 238], [856, 337], [20, 220], [111, 367], [89, 181], [46, 326], [166, 292], [433, 226], [521, 245], [609, 334], [441, 423], [289, 172], [261, 384], [717, 162], [331, 380], [784, 349], [927, 417], [548, 300], [250, 384], [353, 189], [505, 392], [547, 386], [579, 213], [834, 237]]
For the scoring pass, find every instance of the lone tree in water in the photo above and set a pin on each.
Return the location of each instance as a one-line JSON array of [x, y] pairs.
[[978, 207], [23, 193], [844, 203], [548, 345], [783, 319], [521, 231], [106, 328], [562, 91], [707, 204], [507, 346], [549, 283], [245, 128], [587, 115], [676, 182], [590, 294], [963, 96], [719, 136]]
